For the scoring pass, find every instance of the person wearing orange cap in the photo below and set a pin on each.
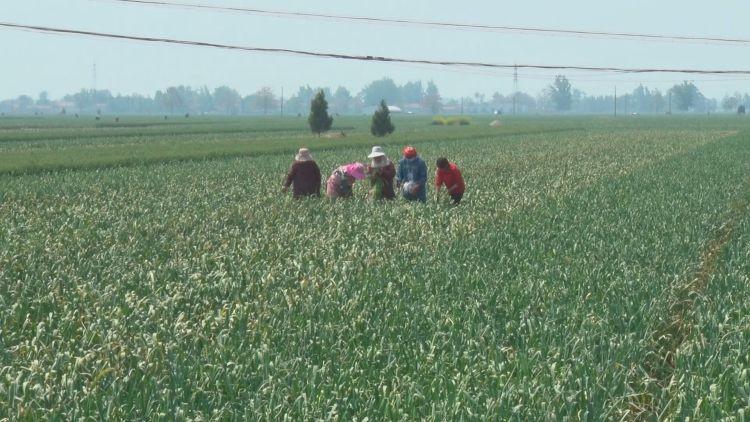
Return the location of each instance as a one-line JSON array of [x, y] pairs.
[[412, 176]]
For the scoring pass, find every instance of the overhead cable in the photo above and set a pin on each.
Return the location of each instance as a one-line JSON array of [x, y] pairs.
[[367, 58], [453, 25]]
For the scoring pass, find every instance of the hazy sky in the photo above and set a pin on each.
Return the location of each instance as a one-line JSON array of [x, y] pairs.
[[32, 62]]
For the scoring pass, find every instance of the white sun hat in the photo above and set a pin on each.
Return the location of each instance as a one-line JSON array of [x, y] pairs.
[[376, 152], [303, 155]]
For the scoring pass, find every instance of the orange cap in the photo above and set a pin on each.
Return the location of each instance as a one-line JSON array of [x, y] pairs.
[[410, 152]]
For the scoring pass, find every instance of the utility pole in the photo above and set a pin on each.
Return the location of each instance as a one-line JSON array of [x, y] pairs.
[[515, 87], [93, 73], [615, 101], [282, 101], [462, 106]]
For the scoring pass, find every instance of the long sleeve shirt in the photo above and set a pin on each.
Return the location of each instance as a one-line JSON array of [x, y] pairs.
[[305, 178], [414, 170], [452, 178], [383, 178], [339, 185]]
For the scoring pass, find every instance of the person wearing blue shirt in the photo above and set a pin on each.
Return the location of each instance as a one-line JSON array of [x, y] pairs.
[[412, 176]]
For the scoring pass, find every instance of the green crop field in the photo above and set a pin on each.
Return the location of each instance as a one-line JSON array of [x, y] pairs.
[[598, 268]]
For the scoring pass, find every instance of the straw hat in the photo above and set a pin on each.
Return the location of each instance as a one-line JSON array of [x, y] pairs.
[[303, 155]]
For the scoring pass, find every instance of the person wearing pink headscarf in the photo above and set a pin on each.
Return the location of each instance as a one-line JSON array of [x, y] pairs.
[[341, 181]]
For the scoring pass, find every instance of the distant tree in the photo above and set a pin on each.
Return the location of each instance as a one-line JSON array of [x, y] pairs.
[[383, 89], [432, 98], [132, 104], [466, 104], [730, 102], [300, 101], [657, 101], [84, 99], [43, 99], [248, 104], [227, 100], [265, 100], [560, 93], [357, 104], [685, 95], [381, 121], [479, 99], [342, 100], [171, 99], [204, 100], [498, 100], [412, 93], [319, 119], [623, 103], [24, 103], [577, 99], [641, 99], [741, 109], [524, 101]]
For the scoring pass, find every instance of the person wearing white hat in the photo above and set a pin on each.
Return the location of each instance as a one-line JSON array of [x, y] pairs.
[[304, 175], [381, 172]]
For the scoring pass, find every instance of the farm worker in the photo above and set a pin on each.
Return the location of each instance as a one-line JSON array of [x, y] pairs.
[[449, 175], [341, 181], [380, 173], [304, 175], [412, 176]]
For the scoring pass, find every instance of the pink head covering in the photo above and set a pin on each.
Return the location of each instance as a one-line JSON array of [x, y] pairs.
[[355, 170]]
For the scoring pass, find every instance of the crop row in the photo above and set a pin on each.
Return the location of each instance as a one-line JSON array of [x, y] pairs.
[[195, 289]]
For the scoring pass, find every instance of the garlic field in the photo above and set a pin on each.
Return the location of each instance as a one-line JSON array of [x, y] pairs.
[[597, 269]]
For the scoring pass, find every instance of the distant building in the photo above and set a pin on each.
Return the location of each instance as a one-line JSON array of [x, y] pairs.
[[392, 109]]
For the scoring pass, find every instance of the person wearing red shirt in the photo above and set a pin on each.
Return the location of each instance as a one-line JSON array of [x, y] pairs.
[[449, 175]]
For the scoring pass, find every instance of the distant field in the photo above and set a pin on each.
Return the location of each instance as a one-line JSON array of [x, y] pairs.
[[599, 268]]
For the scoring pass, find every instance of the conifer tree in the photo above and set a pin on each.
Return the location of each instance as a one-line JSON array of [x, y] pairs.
[[381, 121], [319, 119]]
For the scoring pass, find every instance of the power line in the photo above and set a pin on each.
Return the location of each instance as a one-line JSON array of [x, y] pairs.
[[452, 25], [577, 77], [340, 56]]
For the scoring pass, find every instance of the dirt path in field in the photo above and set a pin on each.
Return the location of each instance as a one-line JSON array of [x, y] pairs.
[[677, 326]]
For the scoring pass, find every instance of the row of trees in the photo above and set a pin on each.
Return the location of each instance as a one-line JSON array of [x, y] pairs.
[[683, 97], [735, 101], [415, 97], [411, 95], [226, 100]]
